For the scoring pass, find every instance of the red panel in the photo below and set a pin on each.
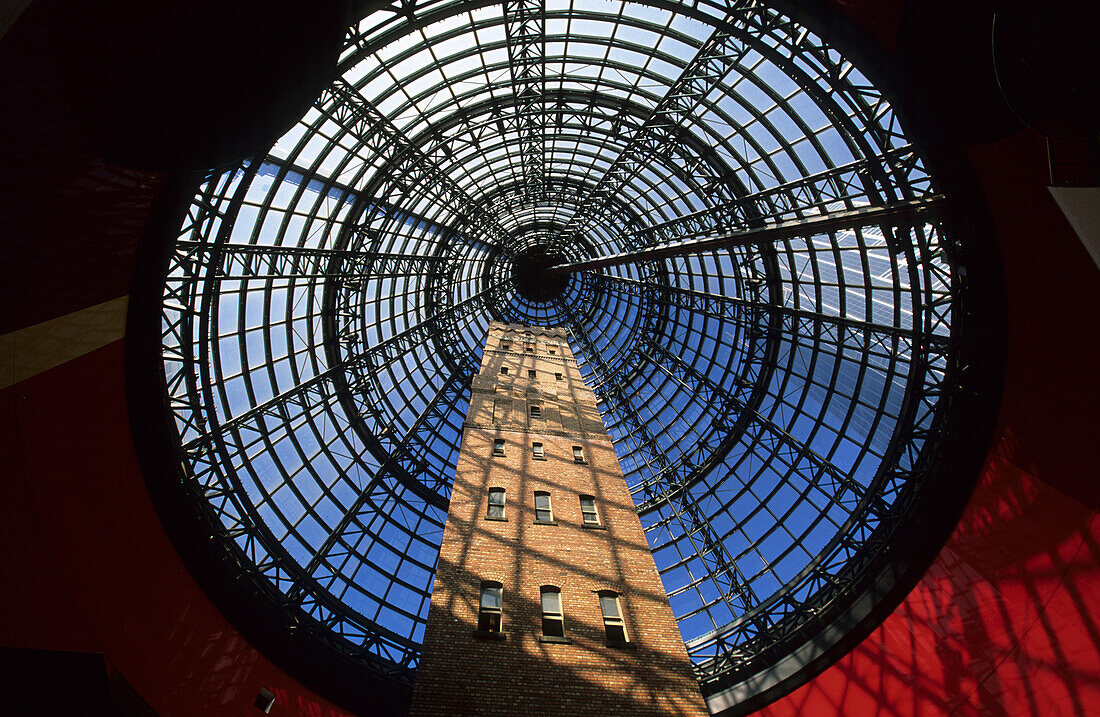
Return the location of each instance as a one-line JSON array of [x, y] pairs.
[[1003, 623], [86, 513], [1049, 415], [37, 612]]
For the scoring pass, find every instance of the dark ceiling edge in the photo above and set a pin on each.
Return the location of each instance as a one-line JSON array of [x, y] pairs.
[[972, 429], [258, 616]]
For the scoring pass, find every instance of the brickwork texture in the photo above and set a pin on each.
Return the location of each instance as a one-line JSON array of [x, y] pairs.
[[519, 670]]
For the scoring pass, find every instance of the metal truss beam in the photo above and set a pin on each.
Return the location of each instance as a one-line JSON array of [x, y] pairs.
[[660, 132], [902, 213], [690, 158], [525, 29], [779, 441], [806, 196], [731, 307], [722, 570], [404, 164], [319, 391], [401, 461], [245, 262]]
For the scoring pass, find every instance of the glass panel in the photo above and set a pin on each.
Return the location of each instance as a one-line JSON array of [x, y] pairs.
[[841, 394], [542, 501], [490, 598], [551, 601], [496, 503], [609, 605]]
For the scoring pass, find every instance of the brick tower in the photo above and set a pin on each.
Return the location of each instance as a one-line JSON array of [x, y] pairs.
[[546, 599]]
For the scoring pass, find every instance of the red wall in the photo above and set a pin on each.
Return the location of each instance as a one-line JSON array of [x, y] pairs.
[[86, 564], [1007, 620], [94, 569]]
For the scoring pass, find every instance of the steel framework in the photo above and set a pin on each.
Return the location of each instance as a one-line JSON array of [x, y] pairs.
[[762, 286]]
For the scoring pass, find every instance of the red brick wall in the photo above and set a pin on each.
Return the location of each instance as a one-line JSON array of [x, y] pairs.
[[463, 674]]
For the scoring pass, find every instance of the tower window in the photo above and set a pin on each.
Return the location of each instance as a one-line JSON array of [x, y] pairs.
[[578, 454], [529, 349], [536, 411], [536, 450], [557, 377], [552, 352], [613, 624], [588, 510], [543, 512], [553, 621], [530, 373], [505, 346], [496, 503], [489, 614], [498, 446], [503, 370]]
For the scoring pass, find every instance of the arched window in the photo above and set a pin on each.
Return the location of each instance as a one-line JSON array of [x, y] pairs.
[[613, 624], [543, 512], [489, 613], [578, 454], [553, 619], [588, 510], [498, 446], [496, 504], [537, 451]]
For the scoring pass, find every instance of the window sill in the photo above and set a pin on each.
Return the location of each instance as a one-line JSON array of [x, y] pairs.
[[593, 526], [555, 640], [486, 635], [581, 463], [546, 522], [499, 520], [620, 645], [536, 458]]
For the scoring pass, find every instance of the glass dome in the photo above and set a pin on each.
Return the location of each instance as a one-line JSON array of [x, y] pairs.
[[779, 384]]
